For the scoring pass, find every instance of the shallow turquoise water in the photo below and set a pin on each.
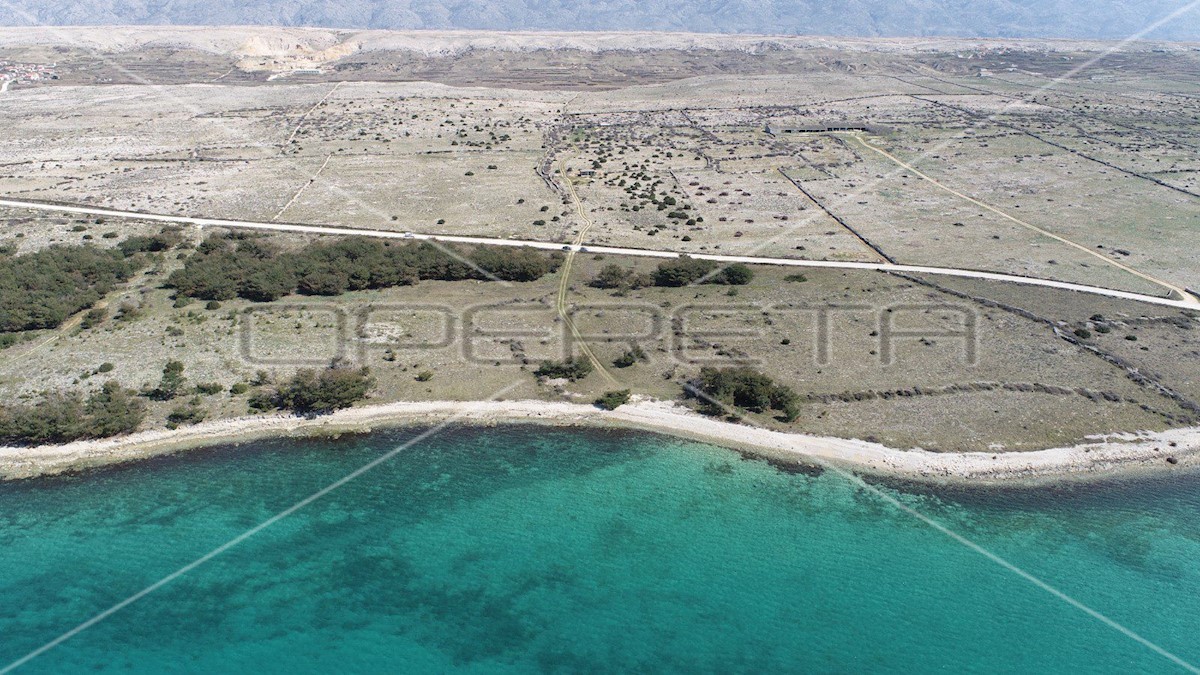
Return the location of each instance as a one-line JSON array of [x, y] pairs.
[[538, 550]]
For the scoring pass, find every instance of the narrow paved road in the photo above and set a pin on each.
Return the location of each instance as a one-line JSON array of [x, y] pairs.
[[1187, 302]]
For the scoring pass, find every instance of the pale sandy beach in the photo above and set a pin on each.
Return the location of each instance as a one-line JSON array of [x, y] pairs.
[[1111, 456]]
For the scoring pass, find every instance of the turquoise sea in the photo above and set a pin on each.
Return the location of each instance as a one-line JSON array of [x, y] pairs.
[[526, 549]]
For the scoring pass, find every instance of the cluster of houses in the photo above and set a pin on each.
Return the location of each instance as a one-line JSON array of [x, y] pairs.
[[25, 73], [777, 129]]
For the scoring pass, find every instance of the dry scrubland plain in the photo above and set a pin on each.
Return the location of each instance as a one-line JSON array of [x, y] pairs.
[[943, 153]]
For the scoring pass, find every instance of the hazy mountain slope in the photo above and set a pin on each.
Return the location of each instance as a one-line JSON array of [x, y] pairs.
[[969, 18]]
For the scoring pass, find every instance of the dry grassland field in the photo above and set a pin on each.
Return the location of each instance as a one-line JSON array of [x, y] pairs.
[[972, 155]]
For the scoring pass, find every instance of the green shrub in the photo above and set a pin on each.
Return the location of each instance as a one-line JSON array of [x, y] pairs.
[[192, 412], [611, 400], [64, 417], [129, 311], [171, 384], [9, 339], [165, 240], [686, 270], [630, 357], [56, 418], [224, 268], [264, 400], [573, 369], [682, 271], [425, 376], [745, 388], [113, 410], [324, 391], [736, 274], [611, 276], [44, 288], [105, 367], [515, 264], [209, 388], [94, 317], [239, 388]]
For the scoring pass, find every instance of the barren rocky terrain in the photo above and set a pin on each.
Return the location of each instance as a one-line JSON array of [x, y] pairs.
[[1046, 159]]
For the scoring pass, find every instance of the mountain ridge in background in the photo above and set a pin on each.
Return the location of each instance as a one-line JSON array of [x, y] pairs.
[[1075, 19]]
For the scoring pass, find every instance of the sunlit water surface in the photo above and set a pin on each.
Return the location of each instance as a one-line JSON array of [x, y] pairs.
[[526, 549]]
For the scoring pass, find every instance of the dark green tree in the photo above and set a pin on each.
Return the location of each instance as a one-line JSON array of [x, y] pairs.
[[736, 274], [611, 276], [327, 390], [682, 271], [171, 384], [573, 369], [747, 388], [44, 288], [611, 400], [62, 417], [113, 410]]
